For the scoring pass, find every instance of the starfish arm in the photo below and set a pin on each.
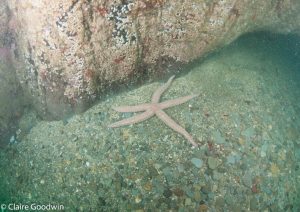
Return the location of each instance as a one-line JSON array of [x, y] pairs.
[[134, 119], [135, 108], [156, 95], [172, 124], [174, 102]]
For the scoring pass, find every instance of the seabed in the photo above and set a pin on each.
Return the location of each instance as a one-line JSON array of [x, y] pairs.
[[246, 120]]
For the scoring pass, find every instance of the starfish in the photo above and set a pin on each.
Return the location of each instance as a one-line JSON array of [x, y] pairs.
[[156, 108]]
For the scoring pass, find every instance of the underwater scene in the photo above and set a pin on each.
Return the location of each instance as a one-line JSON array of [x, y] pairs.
[[150, 105], [221, 135]]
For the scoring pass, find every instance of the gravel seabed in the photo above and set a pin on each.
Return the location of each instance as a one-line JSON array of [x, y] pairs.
[[246, 119]]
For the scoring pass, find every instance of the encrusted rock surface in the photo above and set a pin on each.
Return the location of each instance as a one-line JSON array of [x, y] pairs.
[[10, 91], [68, 52], [10, 102]]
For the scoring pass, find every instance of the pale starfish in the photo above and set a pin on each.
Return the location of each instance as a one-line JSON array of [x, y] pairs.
[[156, 108]]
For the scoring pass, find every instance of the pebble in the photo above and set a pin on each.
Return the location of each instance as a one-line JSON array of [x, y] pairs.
[[178, 192], [264, 149], [220, 202], [138, 199], [206, 189], [188, 201], [197, 196], [167, 193], [180, 168], [203, 208], [249, 132], [213, 163], [297, 153], [152, 171], [148, 186], [197, 162], [218, 137], [247, 179], [253, 204], [233, 158]]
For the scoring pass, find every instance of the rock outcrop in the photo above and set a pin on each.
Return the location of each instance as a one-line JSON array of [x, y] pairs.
[[68, 52]]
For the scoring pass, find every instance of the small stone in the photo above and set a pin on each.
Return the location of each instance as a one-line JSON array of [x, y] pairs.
[[263, 151], [180, 168], [118, 181], [203, 208], [126, 134], [167, 193], [216, 175], [247, 179], [197, 162], [213, 163], [138, 199], [233, 158], [218, 137], [74, 138], [178, 192], [230, 159], [152, 171], [274, 169], [188, 201], [220, 202], [249, 132], [148, 186], [206, 189], [297, 153], [282, 155], [253, 204], [197, 196]]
